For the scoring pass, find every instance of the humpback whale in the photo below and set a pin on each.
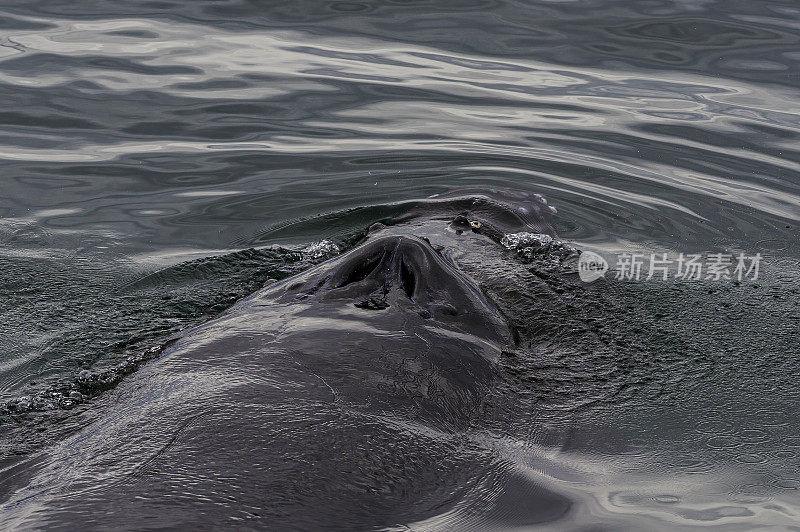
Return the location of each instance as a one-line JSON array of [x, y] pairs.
[[344, 397]]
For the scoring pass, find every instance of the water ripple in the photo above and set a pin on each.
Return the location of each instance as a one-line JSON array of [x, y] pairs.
[[136, 134]]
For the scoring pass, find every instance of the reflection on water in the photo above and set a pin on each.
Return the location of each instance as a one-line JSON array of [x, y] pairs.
[[155, 108], [137, 135]]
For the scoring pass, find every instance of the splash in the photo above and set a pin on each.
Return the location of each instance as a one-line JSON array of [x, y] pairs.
[[322, 249], [535, 245]]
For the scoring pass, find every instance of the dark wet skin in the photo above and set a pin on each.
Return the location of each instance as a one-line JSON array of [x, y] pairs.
[[431, 379], [339, 398]]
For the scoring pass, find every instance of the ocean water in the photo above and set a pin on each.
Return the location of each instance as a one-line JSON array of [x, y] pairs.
[[162, 160]]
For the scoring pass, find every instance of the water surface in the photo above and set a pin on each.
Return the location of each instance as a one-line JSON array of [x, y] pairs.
[[136, 136]]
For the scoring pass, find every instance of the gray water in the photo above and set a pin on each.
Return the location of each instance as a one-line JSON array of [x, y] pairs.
[[147, 146]]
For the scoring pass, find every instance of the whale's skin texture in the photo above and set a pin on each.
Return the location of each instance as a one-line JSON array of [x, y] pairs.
[[341, 398], [430, 378]]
